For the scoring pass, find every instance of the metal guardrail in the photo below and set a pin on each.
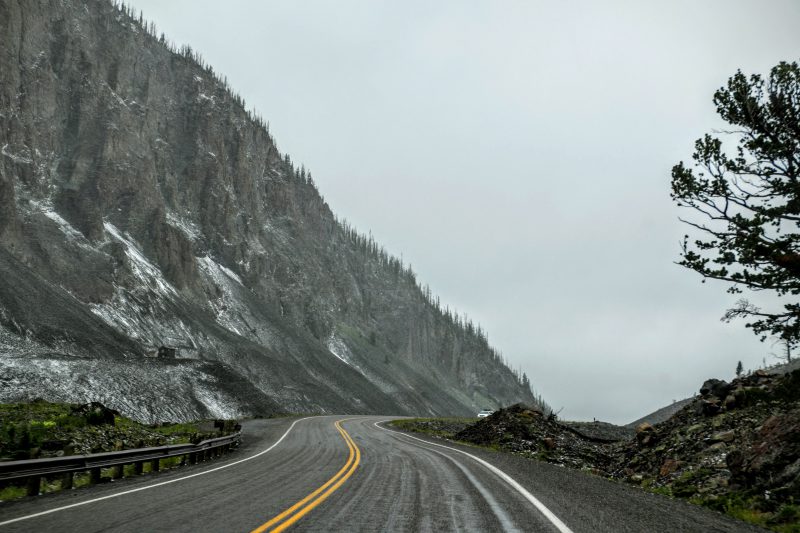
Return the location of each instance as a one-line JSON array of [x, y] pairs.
[[32, 470]]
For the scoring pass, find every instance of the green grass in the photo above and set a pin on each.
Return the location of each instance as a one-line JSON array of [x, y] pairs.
[[664, 490], [687, 484], [754, 509], [171, 462], [12, 493], [82, 479], [437, 427], [180, 433]]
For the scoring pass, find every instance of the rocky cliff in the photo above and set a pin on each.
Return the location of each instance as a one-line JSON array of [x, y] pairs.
[[160, 255]]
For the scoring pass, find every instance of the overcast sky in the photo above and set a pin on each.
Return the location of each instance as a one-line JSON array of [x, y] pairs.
[[518, 155]]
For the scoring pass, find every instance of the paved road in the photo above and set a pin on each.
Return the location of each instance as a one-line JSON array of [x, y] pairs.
[[360, 478]]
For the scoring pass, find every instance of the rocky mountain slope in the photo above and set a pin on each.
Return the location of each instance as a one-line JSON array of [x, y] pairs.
[[660, 415], [160, 255]]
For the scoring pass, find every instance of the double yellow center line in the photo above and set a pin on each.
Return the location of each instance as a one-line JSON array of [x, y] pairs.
[[304, 506]]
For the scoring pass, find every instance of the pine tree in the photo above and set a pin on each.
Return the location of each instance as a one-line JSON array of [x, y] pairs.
[[746, 199]]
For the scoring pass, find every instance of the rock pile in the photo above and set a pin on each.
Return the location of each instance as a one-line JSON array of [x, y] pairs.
[[738, 438], [527, 431]]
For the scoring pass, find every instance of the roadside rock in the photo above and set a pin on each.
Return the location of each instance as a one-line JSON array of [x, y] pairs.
[[95, 413], [527, 431], [740, 438], [715, 387]]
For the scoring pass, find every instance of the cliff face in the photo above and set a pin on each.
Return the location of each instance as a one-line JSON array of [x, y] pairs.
[[141, 206]]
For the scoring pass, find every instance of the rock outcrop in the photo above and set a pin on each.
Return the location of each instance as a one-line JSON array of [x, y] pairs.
[[141, 207], [736, 445]]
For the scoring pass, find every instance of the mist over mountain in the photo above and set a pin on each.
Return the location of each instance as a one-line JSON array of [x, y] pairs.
[[159, 254]]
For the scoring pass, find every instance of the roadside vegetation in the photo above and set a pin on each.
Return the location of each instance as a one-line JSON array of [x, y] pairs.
[[445, 428], [41, 429]]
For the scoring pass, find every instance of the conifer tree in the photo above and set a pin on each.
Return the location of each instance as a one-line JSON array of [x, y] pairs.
[[745, 199]]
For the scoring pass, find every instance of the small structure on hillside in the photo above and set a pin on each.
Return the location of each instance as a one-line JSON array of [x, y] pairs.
[[166, 352]]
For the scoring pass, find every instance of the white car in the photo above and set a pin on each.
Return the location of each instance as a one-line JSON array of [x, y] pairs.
[[485, 413]]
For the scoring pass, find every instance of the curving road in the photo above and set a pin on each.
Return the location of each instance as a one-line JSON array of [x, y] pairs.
[[351, 474]]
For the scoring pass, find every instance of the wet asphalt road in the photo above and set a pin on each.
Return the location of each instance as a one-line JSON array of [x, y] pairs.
[[400, 483]]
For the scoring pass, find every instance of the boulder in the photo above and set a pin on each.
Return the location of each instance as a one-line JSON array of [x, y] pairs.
[[730, 402], [709, 407], [715, 387], [669, 466], [95, 413], [645, 434], [724, 436]]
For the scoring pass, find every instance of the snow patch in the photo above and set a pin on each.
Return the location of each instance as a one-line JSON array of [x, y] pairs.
[[338, 348], [63, 225], [231, 274], [15, 157], [141, 305], [41, 56], [213, 268], [118, 98], [217, 403], [229, 310], [187, 227], [141, 267], [72, 234]]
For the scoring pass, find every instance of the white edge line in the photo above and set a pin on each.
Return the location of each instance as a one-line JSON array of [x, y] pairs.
[[561, 526], [506, 522], [123, 493]]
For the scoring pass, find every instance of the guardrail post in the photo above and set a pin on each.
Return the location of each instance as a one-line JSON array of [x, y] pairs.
[[94, 476], [193, 458], [138, 468], [118, 472], [66, 481], [155, 465], [33, 485]]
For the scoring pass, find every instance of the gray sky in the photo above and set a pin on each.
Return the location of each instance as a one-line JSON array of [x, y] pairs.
[[518, 155]]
